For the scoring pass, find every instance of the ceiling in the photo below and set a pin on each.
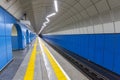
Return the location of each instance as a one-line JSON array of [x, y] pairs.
[[70, 11], [74, 11], [37, 10]]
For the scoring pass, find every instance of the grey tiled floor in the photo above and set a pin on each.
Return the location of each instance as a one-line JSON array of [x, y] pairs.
[[40, 72], [16, 69], [11, 69]]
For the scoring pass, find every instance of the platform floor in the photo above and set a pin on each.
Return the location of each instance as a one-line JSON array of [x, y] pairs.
[[18, 56], [39, 61]]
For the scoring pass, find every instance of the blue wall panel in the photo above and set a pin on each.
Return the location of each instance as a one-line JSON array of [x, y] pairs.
[[2, 28], [3, 54], [27, 37], [15, 45], [6, 23], [76, 43], [109, 51], [9, 48], [99, 49], [92, 39], [20, 38], [102, 49], [84, 46], [117, 54], [81, 46]]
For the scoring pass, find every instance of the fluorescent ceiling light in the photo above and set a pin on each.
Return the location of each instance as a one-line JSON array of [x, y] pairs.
[[56, 5], [40, 30], [44, 24], [51, 15], [47, 20]]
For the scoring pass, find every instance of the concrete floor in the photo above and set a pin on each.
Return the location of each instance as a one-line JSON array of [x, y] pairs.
[[9, 72], [17, 68], [40, 72]]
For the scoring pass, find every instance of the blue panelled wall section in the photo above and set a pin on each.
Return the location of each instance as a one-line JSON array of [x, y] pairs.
[[32, 36], [6, 23], [18, 41], [102, 49], [23, 37], [28, 36]]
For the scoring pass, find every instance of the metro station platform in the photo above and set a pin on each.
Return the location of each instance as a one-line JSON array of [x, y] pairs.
[[39, 61]]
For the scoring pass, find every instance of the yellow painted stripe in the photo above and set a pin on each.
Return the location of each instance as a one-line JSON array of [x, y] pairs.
[[29, 75], [58, 72]]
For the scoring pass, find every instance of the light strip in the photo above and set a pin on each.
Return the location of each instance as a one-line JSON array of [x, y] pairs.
[[41, 29], [44, 24], [51, 15], [47, 20], [56, 5]]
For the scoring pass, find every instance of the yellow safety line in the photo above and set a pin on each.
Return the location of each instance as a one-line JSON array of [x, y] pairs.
[[29, 75], [58, 72]]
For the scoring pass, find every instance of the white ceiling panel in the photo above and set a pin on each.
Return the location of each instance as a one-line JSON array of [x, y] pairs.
[[114, 3], [85, 3], [102, 6], [91, 11]]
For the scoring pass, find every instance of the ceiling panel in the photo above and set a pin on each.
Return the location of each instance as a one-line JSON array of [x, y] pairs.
[[92, 10], [85, 3], [114, 3], [102, 6]]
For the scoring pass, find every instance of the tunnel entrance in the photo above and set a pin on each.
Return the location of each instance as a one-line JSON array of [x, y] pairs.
[[16, 37]]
